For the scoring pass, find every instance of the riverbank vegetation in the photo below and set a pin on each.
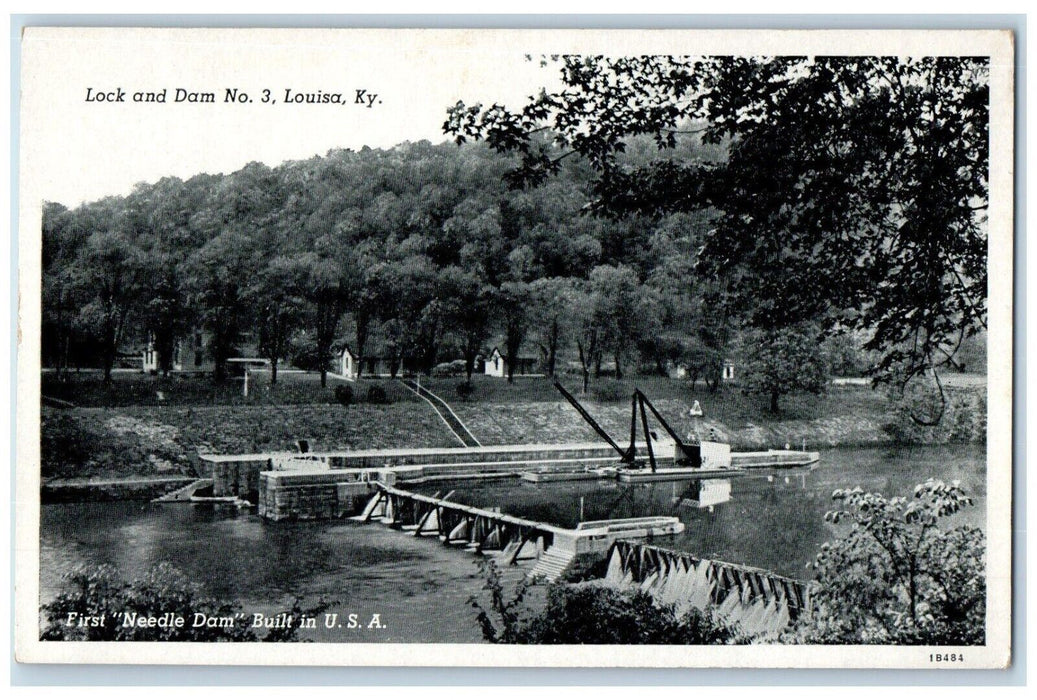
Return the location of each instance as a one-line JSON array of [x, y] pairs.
[[97, 605], [897, 574], [589, 614]]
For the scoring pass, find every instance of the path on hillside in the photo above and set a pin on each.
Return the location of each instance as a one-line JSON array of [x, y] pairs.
[[442, 408]]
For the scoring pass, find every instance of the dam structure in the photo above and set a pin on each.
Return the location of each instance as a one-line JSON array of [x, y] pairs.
[[558, 551], [312, 485], [761, 603], [318, 485]]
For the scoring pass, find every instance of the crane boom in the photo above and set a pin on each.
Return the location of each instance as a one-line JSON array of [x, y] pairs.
[[625, 454]]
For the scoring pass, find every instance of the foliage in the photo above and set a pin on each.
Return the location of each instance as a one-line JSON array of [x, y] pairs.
[[449, 369], [279, 309], [414, 255], [112, 277], [503, 623], [622, 314], [609, 391], [848, 190], [376, 394], [781, 361], [897, 577], [98, 593], [327, 284], [215, 275], [512, 303], [552, 309], [344, 394], [590, 614], [467, 308], [962, 414], [465, 390], [304, 354], [593, 614]]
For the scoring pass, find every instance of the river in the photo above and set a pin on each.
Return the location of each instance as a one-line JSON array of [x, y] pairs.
[[420, 589]]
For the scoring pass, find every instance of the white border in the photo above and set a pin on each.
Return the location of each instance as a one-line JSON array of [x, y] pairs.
[[995, 654]]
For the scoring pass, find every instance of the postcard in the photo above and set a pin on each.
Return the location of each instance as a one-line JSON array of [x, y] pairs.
[[405, 347]]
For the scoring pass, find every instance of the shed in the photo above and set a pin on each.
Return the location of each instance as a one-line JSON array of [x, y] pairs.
[[497, 364]]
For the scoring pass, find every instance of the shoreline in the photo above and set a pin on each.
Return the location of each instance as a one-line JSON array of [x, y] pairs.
[[89, 490], [113, 447], [138, 488]]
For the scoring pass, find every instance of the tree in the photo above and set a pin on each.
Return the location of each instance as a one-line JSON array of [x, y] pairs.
[[617, 311], [216, 275], [163, 220], [279, 307], [897, 576], [109, 270], [552, 301], [58, 255], [852, 190], [467, 303], [512, 303], [410, 313], [365, 302], [327, 285], [781, 361], [585, 328]]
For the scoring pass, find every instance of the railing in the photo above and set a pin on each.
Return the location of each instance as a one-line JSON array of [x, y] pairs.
[[442, 408]]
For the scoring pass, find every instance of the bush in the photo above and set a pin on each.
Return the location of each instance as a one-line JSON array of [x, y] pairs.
[[465, 390], [344, 394], [919, 415], [377, 394], [449, 369], [608, 392], [897, 577], [592, 614], [98, 593]]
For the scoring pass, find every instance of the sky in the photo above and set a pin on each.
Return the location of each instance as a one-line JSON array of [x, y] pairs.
[[82, 149], [75, 149]]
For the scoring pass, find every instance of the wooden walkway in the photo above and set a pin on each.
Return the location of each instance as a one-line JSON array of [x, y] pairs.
[[455, 523]]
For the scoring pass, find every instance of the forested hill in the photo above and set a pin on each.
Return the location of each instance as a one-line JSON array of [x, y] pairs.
[[420, 251]]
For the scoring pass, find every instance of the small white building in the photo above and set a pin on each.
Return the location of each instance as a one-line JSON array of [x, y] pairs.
[[728, 373], [496, 365], [150, 357], [348, 364]]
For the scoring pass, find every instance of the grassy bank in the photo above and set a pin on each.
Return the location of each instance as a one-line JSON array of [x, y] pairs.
[[165, 440], [844, 417], [197, 389], [107, 436]]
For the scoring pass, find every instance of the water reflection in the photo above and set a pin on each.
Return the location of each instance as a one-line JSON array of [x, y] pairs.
[[703, 493]]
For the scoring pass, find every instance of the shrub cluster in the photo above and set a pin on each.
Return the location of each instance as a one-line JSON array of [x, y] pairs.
[[376, 394], [344, 394]]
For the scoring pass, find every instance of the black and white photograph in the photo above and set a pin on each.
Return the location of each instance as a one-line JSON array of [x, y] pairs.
[[515, 347]]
